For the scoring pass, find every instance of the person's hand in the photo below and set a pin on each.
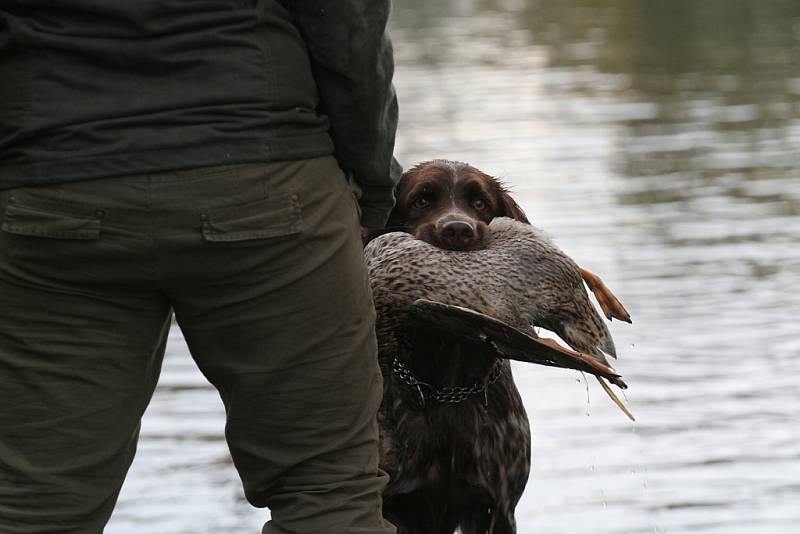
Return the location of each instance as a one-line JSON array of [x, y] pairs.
[[368, 233]]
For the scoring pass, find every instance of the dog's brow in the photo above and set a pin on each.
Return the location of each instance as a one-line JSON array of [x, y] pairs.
[[476, 184], [424, 186]]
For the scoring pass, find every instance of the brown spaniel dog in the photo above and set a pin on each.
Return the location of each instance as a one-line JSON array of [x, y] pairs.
[[445, 391]]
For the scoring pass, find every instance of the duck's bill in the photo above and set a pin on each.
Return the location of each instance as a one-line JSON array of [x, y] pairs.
[[504, 340]]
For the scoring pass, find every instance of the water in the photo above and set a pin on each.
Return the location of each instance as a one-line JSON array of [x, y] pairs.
[[659, 143]]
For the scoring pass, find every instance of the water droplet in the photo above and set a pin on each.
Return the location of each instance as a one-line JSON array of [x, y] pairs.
[[588, 401], [632, 345]]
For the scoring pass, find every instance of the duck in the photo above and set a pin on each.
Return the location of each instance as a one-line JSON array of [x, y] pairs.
[[454, 435]]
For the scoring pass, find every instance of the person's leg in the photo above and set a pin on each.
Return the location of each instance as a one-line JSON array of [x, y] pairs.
[[278, 314], [80, 351]]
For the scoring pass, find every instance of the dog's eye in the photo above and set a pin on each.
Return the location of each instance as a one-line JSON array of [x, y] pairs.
[[479, 204], [421, 202]]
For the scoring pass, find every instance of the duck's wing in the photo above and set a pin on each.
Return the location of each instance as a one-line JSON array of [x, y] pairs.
[[502, 339]]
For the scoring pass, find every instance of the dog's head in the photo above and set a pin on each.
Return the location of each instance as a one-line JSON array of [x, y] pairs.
[[450, 204]]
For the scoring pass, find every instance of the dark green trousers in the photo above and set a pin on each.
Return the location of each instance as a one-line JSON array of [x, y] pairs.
[[262, 265]]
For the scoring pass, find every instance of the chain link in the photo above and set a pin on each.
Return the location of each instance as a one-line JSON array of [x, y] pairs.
[[450, 394]]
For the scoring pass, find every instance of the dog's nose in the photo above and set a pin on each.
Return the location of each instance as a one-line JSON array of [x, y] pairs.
[[457, 234]]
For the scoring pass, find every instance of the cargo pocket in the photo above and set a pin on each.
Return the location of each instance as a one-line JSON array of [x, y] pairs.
[[37, 218], [276, 216]]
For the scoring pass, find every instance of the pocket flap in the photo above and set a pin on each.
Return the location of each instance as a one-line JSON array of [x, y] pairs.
[[50, 220], [272, 217]]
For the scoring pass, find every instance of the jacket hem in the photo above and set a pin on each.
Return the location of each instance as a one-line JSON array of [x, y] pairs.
[[168, 159]]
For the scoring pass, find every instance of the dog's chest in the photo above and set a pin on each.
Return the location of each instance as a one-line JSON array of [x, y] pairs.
[[483, 442]]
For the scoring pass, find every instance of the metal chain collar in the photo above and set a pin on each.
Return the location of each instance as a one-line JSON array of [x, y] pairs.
[[450, 394]]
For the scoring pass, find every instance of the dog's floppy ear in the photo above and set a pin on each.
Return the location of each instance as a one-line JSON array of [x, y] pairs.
[[511, 208], [397, 217], [507, 206], [396, 223]]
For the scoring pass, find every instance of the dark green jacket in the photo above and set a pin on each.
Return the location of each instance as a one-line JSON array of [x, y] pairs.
[[99, 88]]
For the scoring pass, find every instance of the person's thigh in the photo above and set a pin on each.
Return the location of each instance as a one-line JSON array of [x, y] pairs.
[[279, 316], [80, 350]]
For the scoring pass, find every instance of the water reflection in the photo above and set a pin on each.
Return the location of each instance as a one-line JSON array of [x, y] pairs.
[[660, 143]]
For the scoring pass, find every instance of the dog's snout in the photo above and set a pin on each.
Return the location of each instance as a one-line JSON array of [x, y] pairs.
[[458, 234]]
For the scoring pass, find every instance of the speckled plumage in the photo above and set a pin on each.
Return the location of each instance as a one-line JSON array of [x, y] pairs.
[[466, 465]]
